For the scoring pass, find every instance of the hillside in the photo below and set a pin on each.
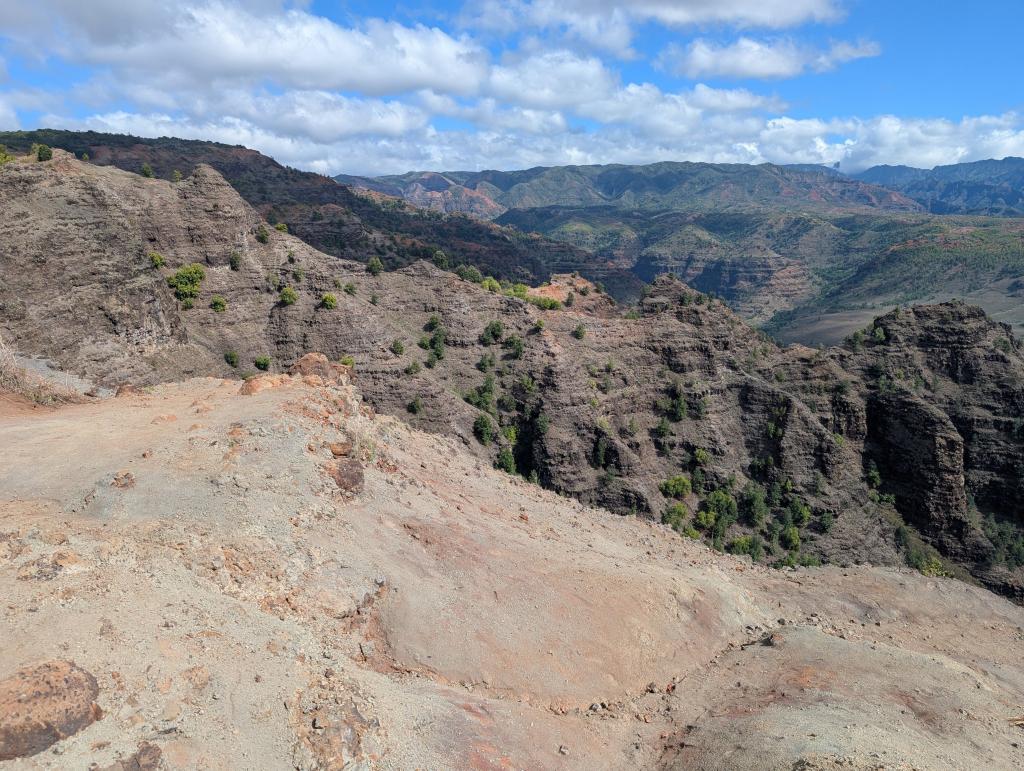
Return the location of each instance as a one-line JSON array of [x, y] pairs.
[[810, 277], [792, 455], [809, 253], [328, 216], [272, 575], [991, 187], [660, 186]]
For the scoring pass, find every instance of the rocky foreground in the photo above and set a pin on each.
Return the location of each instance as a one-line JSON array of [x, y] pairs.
[[211, 574]]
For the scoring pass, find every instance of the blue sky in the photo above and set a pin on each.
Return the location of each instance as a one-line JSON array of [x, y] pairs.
[[377, 87]]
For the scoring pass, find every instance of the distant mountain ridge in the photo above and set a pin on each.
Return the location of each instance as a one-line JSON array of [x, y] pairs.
[[989, 187], [678, 186]]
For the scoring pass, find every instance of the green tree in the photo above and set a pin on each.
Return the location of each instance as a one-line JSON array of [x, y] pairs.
[[483, 429], [262, 363], [676, 487], [506, 461], [147, 171], [374, 267], [44, 153], [185, 282]]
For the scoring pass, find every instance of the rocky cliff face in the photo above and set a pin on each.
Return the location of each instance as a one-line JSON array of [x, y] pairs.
[[904, 445]]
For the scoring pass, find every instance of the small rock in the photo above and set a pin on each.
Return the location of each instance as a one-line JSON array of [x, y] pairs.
[[563, 750]]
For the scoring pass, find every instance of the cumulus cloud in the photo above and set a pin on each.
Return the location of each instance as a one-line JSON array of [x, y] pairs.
[[749, 58], [376, 97], [608, 24], [210, 42], [554, 79]]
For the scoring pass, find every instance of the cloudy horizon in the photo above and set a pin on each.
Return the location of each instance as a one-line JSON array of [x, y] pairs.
[[370, 88]]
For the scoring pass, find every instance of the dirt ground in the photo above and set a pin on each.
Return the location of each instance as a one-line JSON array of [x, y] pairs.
[[194, 577]]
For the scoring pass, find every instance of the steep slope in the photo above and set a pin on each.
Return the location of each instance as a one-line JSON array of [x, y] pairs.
[[660, 186], [273, 576], [328, 216], [991, 187], [792, 455]]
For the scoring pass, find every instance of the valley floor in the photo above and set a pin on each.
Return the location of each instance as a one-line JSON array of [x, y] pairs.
[[195, 577]]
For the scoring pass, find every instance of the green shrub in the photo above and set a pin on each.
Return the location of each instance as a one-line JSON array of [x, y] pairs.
[[281, 227], [492, 333], [85, 157], [262, 363], [328, 302], [544, 303], [236, 261], [491, 285], [482, 397], [570, 300], [413, 368], [231, 358], [187, 304], [348, 360], [147, 170], [350, 289], [747, 544], [754, 504], [218, 303], [675, 515], [44, 153], [542, 424], [487, 362], [157, 259], [397, 347], [469, 273], [298, 274], [415, 406], [5, 157], [288, 296], [580, 332], [374, 266], [483, 429], [374, 300], [676, 487], [175, 176], [185, 282], [873, 476], [440, 259], [790, 538], [432, 323], [701, 456], [262, 234], [538, 326], [506, 461], [514, 345], [826, 521]]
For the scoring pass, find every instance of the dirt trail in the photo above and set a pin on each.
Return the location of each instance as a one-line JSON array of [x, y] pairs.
[[190, 550]]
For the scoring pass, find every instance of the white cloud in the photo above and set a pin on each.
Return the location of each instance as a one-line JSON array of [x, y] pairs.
[[209, 42], [552, 80], [8, 116], [608, 24], [749, 58]]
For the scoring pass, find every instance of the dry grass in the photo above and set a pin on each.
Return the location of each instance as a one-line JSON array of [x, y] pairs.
[[22, 382]]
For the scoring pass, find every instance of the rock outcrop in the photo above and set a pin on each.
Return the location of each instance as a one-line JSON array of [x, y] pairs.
[[903, 445]]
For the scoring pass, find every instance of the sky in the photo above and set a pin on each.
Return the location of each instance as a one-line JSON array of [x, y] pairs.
[[358, 87]]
